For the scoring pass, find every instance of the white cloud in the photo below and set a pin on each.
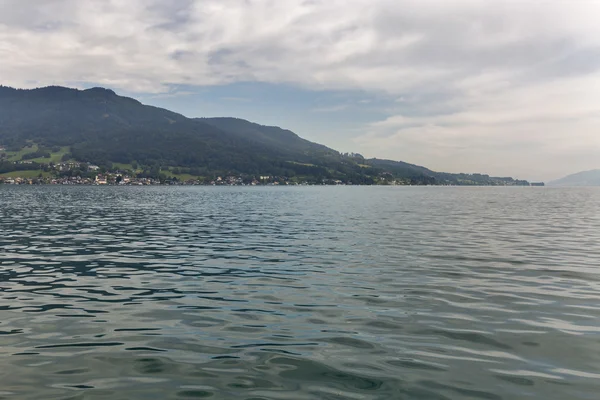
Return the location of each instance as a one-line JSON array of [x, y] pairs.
[[386, 45], [542, 130], [475, 74]]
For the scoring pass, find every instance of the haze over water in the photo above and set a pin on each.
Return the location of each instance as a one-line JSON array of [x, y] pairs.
[[299, 293]]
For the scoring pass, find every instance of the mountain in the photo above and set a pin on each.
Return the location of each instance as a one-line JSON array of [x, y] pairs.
[[100, 127], [585, 178], [272, 136]]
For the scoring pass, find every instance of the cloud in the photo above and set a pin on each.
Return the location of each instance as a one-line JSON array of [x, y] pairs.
[[542, 128], [331, 109], [172, 94], [237, 99], [463, 72], [389, 45]]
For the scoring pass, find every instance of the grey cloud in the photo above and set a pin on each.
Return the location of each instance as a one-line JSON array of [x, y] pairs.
[[572, 62], [180, 54], [174, 15], [328, 44], [42, 13]]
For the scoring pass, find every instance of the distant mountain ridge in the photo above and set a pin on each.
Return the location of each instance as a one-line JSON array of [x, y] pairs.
[[98, 126], [584, 178]]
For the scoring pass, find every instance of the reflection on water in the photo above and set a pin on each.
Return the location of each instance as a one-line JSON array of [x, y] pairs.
[[299, 293]]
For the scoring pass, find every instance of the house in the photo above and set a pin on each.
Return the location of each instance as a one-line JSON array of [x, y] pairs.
[[101, 180]]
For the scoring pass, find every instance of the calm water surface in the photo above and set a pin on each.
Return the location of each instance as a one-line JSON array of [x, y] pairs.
[[299, 293]]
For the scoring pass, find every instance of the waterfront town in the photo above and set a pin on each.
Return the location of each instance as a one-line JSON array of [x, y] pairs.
[[76, 173], [79, 173]]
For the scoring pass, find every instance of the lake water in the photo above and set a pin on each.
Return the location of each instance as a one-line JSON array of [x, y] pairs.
[[299, 293]]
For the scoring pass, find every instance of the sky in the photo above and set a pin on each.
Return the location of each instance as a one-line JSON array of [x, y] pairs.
[[503, 87]]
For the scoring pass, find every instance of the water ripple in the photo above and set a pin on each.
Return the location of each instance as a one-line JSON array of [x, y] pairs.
[[299, 293]]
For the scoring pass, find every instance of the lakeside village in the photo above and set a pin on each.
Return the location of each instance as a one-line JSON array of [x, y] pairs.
[[77, 173]]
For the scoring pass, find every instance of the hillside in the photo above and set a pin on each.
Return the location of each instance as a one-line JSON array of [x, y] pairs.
[[585, 178], [271, 136], [96, 126], [101, 127]]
